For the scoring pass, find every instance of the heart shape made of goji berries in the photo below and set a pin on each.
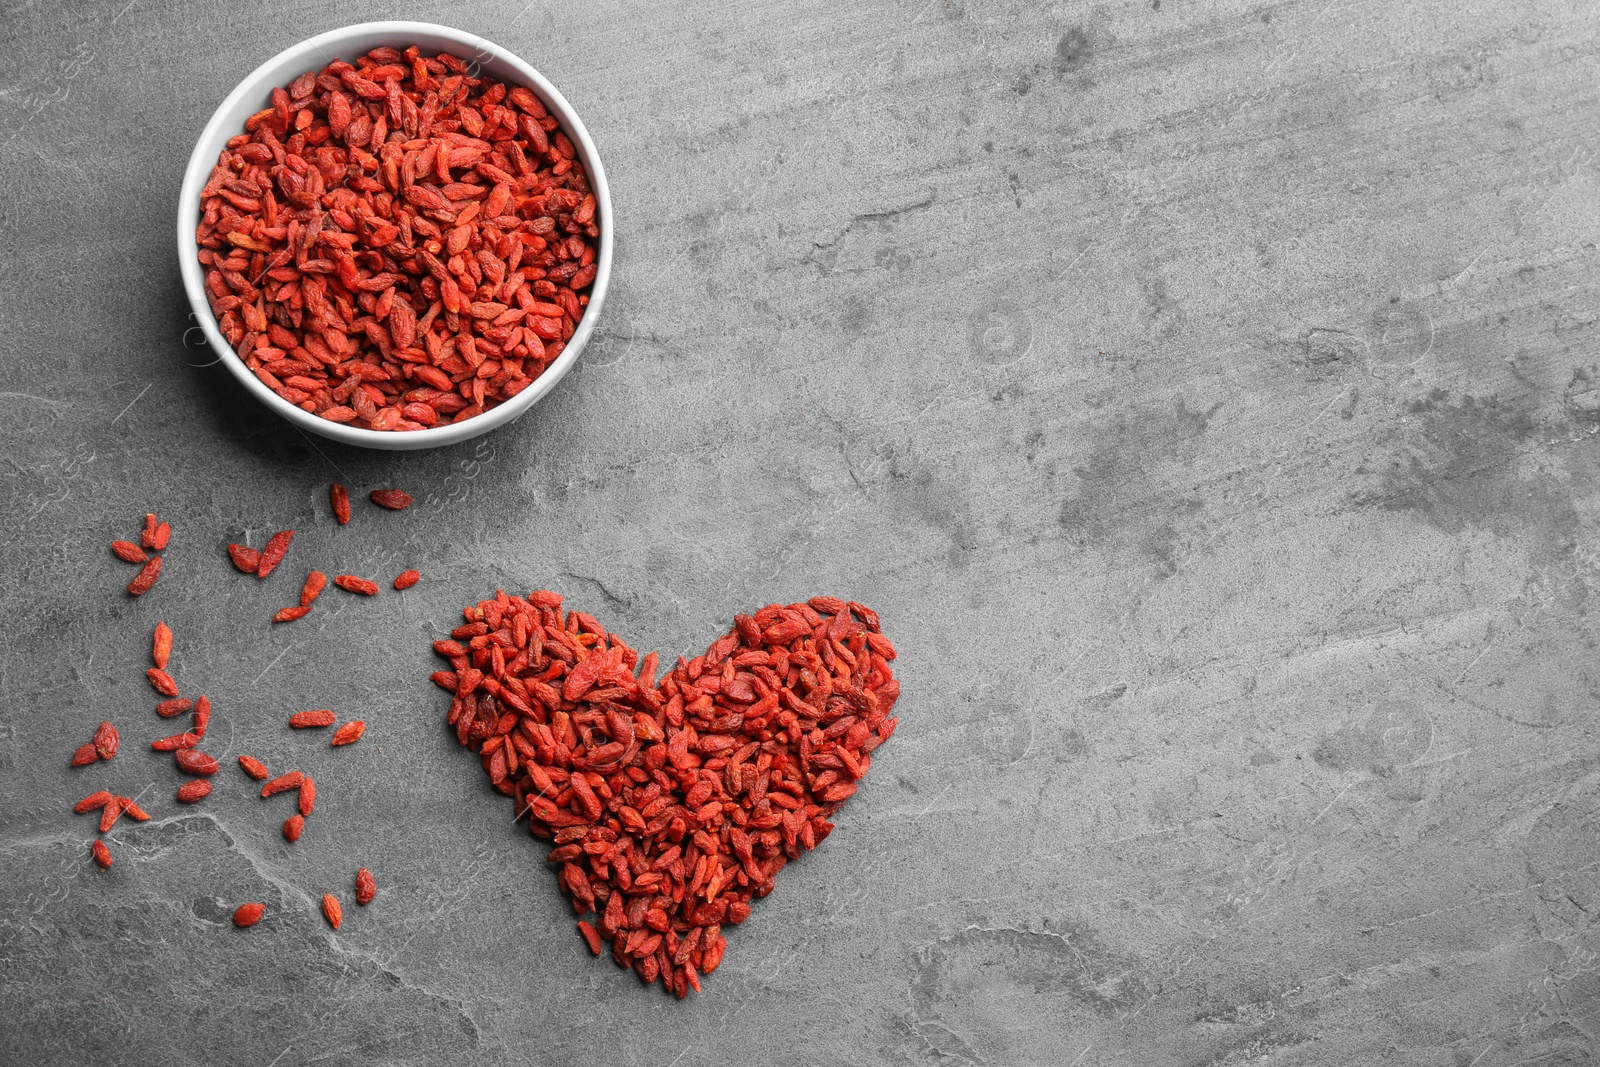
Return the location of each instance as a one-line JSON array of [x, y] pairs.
[[671, 804]]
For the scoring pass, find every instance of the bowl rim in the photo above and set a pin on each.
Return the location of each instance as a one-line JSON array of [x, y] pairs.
[[209, 145]]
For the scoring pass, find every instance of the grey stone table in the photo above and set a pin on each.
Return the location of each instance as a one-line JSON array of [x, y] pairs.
[[1204, 393]]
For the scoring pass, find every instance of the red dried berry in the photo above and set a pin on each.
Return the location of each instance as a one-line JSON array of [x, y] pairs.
[[590, 936], [341, 502], [292, 828], [248, 914], [349, 733], [110, 813], [147, 537], [291, 614], [407, 579], [202, 715], [283, 783], [176, 706], [193, 761], [393, 499], [132, 810], [129, 552], [102, 854], [106, 741], [93, 802], [351, 584], [245, 558], [162, 681], [366, 887], [316, 581], [332, 909], [189, 792], [85, 755], [159, 539], [272, 555], [161, 646], [301, 720], [146, 577], [253, 767], [176, 742], [308, 796]]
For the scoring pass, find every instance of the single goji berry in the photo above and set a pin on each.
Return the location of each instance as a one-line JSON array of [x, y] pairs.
[[146, 577], [349, 733], [106, 741], [366, 887], [341, 503], [161, 645], [245, 558], [272, 555], [351, 584], [393, 499]]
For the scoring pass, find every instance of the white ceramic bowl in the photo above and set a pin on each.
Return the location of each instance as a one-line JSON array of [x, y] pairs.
[[255, 93]]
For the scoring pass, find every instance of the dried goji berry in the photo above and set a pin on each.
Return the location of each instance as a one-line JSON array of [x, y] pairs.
[[176, 743], [162, 681], [272, 555], [349, 733], [253, 767], [245, 558], [146, 577], [332, 909], [106, 741], [301, 720], [193, 761], [161, 646], [393, 499], [248, 914], [351, 584], [283, 783], [93, 802], [366, 887], [341, 503]]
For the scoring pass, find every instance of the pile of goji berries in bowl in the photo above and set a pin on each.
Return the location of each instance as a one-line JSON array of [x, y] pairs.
[[396, 235]]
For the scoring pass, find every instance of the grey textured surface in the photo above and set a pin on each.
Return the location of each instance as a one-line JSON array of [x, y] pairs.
[[1203, 392]]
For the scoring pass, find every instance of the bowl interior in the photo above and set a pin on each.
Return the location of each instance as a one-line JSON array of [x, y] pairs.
[[255, 93]]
